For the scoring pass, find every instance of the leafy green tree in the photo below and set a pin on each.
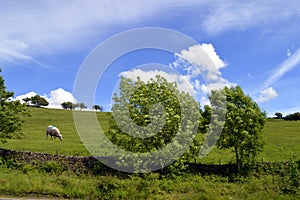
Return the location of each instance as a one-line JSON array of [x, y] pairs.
[[97, 107], [27, 100], [278, 115], [156, 114], [12, 114], [205, 119], [68, 105], [243, 127], [39, 101], [82, 106]]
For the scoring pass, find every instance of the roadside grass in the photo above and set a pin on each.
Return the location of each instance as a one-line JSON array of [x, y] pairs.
[[150, 186]]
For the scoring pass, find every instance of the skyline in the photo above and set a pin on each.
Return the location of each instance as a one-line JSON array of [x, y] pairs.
[[252, 44]]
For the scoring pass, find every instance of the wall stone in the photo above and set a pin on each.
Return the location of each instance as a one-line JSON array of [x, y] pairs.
[[74, 163]]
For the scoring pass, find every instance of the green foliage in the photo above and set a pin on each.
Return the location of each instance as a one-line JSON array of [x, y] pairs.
[[68, 105], [39, 101], [294, 176], [12, 114], [278, 115], [13, 182], [295, 116], [52, 167], [243, 127], [97, 107], [205, 119], [81, 106], [149, 116]]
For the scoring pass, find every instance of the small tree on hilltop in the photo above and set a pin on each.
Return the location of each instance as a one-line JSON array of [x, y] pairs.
[[68, 105], [82, 106], [39, 101], [12, 114], [97, 107], [27, 100], [243, 125], [278, 115]]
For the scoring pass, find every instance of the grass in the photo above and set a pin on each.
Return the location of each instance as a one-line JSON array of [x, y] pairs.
[[34, 130], [149, 186], [281, 137]]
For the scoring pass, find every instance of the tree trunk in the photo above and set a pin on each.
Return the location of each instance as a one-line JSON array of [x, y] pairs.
[[237, 157]]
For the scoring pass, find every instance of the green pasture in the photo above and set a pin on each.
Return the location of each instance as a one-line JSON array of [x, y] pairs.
[[281, 137], [26, 180], [34, 130]]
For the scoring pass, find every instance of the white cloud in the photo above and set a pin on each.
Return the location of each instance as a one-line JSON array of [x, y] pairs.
[[288, 53], [56, 26], [55, 97], [15, 51], [198, 62], [182, 81], [226, 15], [290, 63], [51, 26], [266, 95], [58, 96], [203, 60], [29, 94], [205, 101]]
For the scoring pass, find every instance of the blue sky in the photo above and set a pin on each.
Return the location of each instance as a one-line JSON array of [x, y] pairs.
[[254, 44]]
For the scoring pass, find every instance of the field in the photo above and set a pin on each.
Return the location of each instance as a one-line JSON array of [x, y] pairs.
[[281, 137]]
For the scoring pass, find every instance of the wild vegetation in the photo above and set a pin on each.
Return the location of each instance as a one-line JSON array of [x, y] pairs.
[[50, 181]]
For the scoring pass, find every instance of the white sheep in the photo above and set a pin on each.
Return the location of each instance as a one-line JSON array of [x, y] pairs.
[[53, 132]]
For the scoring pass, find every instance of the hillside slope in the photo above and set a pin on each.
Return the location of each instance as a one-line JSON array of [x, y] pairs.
[[281, 137], [34, 133]]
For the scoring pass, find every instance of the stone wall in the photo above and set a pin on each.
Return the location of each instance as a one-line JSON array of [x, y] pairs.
[[90, 164], [74, 163]]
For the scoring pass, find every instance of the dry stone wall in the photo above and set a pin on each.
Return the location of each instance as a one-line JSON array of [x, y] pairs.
[[74, 163]]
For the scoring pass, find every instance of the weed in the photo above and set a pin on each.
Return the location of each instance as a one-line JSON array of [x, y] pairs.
[[52, 167]]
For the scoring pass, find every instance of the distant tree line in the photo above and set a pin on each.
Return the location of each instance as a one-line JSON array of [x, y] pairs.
[[295, 116], [38, 101], [71, 106]]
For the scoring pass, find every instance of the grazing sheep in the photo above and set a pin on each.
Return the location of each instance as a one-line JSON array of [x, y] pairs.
[[53, 132]]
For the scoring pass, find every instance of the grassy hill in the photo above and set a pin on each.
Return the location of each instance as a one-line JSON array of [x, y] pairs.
[[281, 137], [34, 130], [27, 180]]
